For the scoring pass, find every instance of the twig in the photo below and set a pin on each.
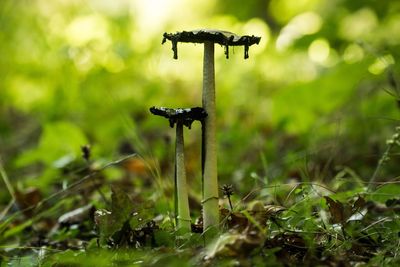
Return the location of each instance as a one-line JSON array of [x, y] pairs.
[[6, 209], [392, 142], [381, 162], [67, 190], [6, 180], [86, 153], [384, 219], [295, 185]]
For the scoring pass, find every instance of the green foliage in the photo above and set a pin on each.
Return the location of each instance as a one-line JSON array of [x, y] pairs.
[[121, 211], [385, 192], [59, 145], [302, 124]]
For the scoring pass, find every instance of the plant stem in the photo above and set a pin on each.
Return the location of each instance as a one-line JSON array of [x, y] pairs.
[[381, 162], [6, 181], [210, 176], [183, 218], [393, 141], [230, 203]]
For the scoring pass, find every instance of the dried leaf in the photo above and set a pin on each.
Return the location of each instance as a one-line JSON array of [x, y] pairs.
[[76, 216], [235, 244], [136, 166], [273, 210], [234, 220], [28, 198], [110, 222], [337, 210], [359, 204]]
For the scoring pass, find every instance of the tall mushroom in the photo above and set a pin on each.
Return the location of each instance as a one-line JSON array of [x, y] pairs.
[[182, 117], [210, 174]]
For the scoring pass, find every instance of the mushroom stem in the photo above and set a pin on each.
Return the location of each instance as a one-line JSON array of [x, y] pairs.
[[183, 216], [210, 176]]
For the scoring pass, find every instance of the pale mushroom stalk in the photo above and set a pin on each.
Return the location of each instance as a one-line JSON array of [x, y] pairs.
[[210, 173], [182, 117], [183, 217]]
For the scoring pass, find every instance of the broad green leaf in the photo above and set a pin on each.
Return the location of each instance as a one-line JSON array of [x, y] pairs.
[[164, 238], [59, 144], [122, 206], [121, 209], [383, 193]]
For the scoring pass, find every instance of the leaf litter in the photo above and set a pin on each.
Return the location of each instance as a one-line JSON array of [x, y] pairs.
[[327, 230]]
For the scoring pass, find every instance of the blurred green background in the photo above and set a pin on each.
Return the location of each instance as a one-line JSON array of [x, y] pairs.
[[318, 96]]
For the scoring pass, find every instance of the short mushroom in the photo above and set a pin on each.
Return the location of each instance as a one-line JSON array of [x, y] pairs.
[[210, 174], [182, 117]]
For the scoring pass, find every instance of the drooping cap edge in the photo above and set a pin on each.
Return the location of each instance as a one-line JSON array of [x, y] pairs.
[[223, 38], [186, 116]]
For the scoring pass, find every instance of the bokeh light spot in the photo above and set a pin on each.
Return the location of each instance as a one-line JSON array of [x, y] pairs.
[[318, 51], [304, 24], [353, 53], [284, 10], [88, 28], [258, 27], [358, 25], [380, 64]]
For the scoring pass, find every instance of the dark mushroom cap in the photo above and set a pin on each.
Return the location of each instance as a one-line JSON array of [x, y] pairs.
[[220, 37], [184, 115]]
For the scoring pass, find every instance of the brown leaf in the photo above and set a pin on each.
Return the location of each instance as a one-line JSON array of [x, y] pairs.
[[234, 220], [338, 211], [359, 204], [136, 165], [273, 210], [28, 198], [235, 244], [76, 216]]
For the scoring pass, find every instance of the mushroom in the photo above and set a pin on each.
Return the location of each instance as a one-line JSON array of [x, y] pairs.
[[182, 117], [209, 157]]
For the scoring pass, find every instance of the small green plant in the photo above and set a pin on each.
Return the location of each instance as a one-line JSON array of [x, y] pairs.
[[227, 190], [391, 143]]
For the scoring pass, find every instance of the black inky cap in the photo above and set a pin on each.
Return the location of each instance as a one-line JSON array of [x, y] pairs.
[[220, 37], [185, 115]]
